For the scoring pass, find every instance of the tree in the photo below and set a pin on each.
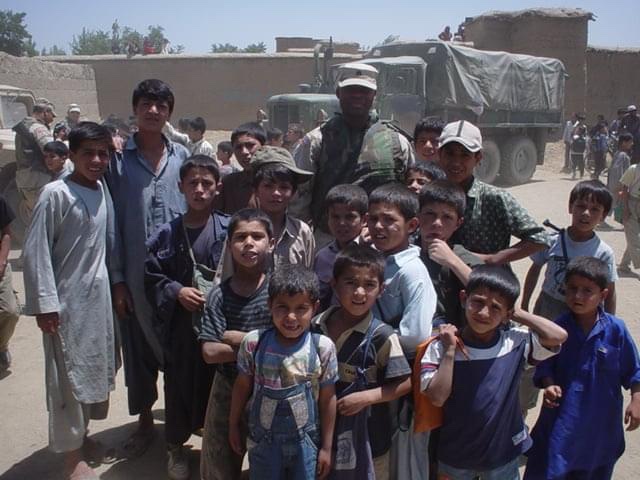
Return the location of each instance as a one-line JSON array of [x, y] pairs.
[[226, 48], [255, 48], [177, 49], [91, 42], [55, 50], [14, 37]]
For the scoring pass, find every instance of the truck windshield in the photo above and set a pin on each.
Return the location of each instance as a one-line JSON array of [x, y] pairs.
[[401, 80], [12, 111]]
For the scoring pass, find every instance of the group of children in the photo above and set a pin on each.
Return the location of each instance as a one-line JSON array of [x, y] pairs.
[[304, 359]]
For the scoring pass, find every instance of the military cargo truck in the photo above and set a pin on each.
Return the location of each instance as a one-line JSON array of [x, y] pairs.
[[516, 100]]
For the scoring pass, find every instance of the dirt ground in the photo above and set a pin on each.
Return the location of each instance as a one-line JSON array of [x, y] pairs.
[[23, 438]]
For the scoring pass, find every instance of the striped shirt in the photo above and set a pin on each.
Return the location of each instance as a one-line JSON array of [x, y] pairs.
[[226, 310]]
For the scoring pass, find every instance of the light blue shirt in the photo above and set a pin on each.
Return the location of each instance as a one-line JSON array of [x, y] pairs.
[[409, 299]]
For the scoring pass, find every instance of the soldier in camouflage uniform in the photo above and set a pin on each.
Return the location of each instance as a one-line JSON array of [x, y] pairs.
[[32, 134], [333, 150]]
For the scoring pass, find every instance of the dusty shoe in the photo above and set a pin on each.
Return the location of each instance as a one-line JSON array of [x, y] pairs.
[[178, 464], [5, 361]]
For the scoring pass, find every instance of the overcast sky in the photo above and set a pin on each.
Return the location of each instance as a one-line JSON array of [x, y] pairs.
[[198, 24]]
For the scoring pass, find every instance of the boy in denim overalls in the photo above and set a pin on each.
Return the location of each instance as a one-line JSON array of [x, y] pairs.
[[292, 374]]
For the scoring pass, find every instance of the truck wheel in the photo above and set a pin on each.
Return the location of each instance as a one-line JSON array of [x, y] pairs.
[[520, 158], [19, 225], [488, 168]]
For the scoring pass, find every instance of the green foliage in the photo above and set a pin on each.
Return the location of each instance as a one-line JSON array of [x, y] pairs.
[[91, 42], [176, 49], [226, 48], [14, 37], [255, 48], [55, 50]]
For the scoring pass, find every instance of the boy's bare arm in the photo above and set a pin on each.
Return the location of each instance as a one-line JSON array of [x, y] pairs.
[[550, 334], [522, 249], [530, 283], [5, 247], [355, 402], [327, 408], [218, 352], [611, 300], [632, 413], [439, 388], [239, 398], [441, 252], [233, 338]]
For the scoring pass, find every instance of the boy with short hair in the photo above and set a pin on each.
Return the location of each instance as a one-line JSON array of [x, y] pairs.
[[179, 271], [483, 432], [371, 365], [275, 137], [237, 188], [198, 145], [275, 180], [290, 375], [442, 206], [223, 155], [407, 303], [421, 173], [346, 207], [425, 139], [71, 239], [578, 150], [233, 308], [620, 163], [491, 214], [579, 431], [56, 158]]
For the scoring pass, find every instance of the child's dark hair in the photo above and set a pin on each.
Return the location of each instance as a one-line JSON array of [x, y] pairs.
[[498, 279], [431, 170], [184, 123], [595, 189], [356, 255], [203, 161], [198, 124], [428, 124], [226, 147], [153, 89], [296, 128], [273, 133], [250, 215], [353, 196], [275, 172], [252, 129], [57, 148], [397, 195], [89, 132], [591, 268], [444, 191], [293, 279], [624, 137]]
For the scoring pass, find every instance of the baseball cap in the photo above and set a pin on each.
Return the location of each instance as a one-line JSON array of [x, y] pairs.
[[73, 107], [278, 155], [463, 132], [359, 74], [631, 108]]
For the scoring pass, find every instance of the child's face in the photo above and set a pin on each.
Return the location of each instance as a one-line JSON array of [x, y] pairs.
[[199, 188], [586, 214], [389, 229], [250, 244], [357, 289], [458, 162], [223, 156], [438, 221], [345, 223], [273, 196], [426, 144], [244, 147], [415, 180], [292, 314], [276, 141], [151, 115], [626, 145], [485, 311], [54, 162], [90, 162], [194, 135], [583, 296]]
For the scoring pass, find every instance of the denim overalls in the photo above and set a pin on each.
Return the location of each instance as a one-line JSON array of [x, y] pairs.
[[284, 428]]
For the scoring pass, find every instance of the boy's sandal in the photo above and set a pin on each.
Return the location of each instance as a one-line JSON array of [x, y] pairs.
[[95, 453], [138, 443]]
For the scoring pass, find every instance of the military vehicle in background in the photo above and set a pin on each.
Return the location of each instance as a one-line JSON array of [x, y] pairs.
[[15, 104], [516, 100]]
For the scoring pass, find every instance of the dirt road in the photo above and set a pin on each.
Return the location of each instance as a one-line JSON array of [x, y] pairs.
[[23, 436]]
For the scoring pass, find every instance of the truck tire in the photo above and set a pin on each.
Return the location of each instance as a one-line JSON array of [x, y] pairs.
[[519, 160], [19, 225], [489, 167]]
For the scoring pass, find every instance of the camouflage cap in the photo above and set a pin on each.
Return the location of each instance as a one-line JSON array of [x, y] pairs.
[[359, 74], [278, 155]]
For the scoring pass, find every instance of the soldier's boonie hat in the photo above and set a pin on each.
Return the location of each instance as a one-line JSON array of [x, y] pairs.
[[463, 132], [73, 107], [42, 105], [281, 156], [359, 74]]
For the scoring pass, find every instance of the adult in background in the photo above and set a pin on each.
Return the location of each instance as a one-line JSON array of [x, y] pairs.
[[631, 124], [144, 184], [567, 135], [73, 116]]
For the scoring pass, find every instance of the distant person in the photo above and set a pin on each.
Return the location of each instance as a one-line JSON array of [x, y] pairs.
[[293, 137], [224, 153], [631, 217], [193, 139], [620, 163], [9, 312], [261, 117], [56, 157], [599, 148], [446, 35], [422, 173], [616, 124], [567, 137], [72, 241], [631, 124], [275, 137], [61, 132], [425, 138], [578, 150], [73, 116]]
